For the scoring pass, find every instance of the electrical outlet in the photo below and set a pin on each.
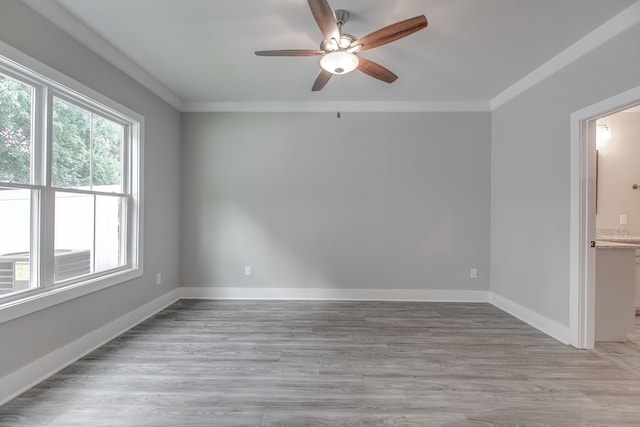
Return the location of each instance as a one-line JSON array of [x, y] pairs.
[[623, 220], [158, 279], [473, 273], [247, 270]]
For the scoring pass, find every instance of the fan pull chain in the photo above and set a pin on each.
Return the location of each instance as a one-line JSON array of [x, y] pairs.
[[339, 92]]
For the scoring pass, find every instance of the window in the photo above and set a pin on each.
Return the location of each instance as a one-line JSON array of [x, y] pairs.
[[70, 187]]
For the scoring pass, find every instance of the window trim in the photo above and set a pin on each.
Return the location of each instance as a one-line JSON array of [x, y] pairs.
[[41, 298]]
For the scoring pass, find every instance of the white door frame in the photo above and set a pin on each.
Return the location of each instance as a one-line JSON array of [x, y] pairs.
[[582, 214]]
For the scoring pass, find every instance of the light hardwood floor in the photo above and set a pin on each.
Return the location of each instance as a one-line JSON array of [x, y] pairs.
[[332, 363], [626, 354]]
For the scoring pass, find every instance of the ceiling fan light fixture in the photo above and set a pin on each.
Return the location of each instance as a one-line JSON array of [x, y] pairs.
[[339, 62]]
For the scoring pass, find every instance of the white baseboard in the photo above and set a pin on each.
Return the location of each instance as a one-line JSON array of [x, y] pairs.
[[542, 323], [333, 294], [28, 376]]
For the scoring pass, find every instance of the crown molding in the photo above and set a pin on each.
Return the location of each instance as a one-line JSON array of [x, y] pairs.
[[332, 107], [605, 32], [55, 13]]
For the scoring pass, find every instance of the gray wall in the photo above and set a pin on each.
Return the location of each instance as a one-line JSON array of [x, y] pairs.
[[530, 175], [28, 338], [368, 201]]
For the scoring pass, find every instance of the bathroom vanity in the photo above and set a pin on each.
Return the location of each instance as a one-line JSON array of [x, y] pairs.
[[615, 289]]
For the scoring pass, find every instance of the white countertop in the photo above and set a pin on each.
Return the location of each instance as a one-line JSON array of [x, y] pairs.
[[604, 244], [617, 241], [622, 238]]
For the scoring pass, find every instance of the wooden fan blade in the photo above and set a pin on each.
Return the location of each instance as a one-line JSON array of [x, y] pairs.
[[290, 52], [391, 33], [325, 19], [376, 71], [321, 80]]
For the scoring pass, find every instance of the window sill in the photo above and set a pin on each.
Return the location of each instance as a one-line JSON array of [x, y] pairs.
[[48, 298]]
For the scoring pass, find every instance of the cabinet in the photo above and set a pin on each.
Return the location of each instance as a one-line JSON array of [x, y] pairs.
[[616, 283], [637, 280]]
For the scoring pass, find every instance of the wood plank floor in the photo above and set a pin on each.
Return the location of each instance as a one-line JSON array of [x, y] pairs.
[[294, 363], [624, 354]]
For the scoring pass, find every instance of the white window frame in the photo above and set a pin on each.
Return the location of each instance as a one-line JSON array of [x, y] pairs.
[[50, 83]]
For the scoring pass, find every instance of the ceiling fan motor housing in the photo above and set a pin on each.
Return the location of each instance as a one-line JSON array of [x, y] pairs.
[[344, 43]]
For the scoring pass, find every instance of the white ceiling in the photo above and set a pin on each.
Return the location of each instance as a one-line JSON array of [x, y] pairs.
[[203, 50]]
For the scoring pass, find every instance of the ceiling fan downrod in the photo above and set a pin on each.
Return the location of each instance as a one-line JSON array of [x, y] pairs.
[[342, 16]]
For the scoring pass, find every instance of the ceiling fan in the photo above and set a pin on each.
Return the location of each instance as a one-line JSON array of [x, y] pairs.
[[340, 50]]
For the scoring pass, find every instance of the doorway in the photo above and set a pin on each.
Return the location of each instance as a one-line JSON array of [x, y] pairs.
[[583, 214]]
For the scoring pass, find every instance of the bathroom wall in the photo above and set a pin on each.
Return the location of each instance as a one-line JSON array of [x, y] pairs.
[[618, 170]]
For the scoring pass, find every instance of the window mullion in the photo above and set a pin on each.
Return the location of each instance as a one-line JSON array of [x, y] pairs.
[[125, 152], [47, 221], [38, 177], [39, 132], [93, 247], [128, 247], [125, 243], [91, 120]]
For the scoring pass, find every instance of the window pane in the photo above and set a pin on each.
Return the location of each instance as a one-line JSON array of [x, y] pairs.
[[15, 237], [108, 232], [106, 155], [71, 146], [15, 130], [87, 149], [74, 236]]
